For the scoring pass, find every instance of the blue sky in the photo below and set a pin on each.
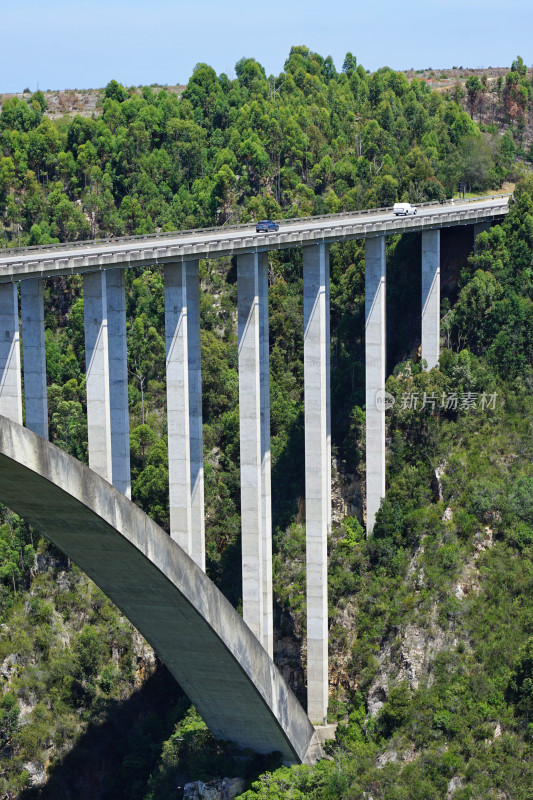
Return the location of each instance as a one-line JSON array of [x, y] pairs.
[[81, 44]]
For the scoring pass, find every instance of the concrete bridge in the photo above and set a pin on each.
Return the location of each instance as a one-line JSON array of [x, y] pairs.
[[102, 264]]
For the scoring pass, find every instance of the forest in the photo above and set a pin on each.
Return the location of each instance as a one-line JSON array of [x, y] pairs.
[[86, 709]]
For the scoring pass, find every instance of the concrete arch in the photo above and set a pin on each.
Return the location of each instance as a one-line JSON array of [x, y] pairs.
[[201, 638]]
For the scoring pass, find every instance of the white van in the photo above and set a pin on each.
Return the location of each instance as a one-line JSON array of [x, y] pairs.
[[403, 209]]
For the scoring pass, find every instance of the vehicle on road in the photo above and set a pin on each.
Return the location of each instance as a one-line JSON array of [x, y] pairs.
[[403, 209], [266, 225]]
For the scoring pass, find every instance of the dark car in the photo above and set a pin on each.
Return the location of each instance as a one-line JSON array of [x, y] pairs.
[[266, 225]]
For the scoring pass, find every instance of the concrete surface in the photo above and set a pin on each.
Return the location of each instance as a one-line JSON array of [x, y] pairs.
[[326, 732], [266, 490], [196, 441], [97, 374], [178, 424], [317, 472], [375, 352], [248, 291], [187, 245], [33, 347], [202, 640], [431, 297], [118, 380], [10, 382]]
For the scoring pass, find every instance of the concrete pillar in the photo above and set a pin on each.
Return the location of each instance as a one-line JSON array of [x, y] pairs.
[[118, 380], [249, 291], [10, 383], [33, 348], [479, 227], [195, 413], [431, 297], [375, 287], [264, 354], [97, 374], [179, 454], [317, 472]]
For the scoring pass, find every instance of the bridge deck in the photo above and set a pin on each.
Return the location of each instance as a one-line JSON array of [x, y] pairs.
[[78, 257]]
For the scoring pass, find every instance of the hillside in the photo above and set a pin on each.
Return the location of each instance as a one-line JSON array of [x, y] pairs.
[[430, 619]]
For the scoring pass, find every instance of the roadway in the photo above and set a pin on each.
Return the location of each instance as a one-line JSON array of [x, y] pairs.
[[78, 257]]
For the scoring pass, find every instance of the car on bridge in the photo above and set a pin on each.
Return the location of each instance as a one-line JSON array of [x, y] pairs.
[[266, 225], [403, 209]]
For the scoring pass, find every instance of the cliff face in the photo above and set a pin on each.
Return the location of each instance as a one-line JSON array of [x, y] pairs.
[[77, 670]]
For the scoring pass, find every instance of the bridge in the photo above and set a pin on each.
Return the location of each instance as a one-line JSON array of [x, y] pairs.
[[166, 593]]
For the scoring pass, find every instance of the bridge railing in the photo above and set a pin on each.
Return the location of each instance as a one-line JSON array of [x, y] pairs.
[[153, 237]]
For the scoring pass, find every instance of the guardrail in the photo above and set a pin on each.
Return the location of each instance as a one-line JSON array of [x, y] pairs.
[[154, 237]]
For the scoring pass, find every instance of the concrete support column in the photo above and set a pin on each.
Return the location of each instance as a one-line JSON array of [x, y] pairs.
[[195, 413], [97, 374], [431, 297], [179, 454], [118, 380], [10, 383], [33, 348], [317, 472], [266, 498], [249, 291], [375, 288]]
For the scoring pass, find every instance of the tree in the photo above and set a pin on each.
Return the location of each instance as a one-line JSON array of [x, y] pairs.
[[116, 91], [474, 90], [520, 687], [349, 64]]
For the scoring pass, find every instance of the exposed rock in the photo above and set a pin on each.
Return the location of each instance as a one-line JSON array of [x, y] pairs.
[[144, 656], [288, 659], [347, 492], [466, 587], [453, 785], [388, 757], [406, 658], [483, 541], [63, 582], [439, 472], [26, 710], [469, 580], [391, 756], [8, 667], [36, 772], [342, 681], [415, 570], [448, 514], [218, 789]]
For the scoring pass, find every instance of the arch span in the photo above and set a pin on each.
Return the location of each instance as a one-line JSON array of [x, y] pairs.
[[201, 638]]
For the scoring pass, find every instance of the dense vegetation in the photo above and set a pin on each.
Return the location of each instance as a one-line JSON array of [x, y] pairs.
[[308, 141]]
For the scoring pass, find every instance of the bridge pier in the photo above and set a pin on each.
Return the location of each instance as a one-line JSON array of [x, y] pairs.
[[97, 374], [33, 348], [251, 308], [10, 381], [184, 408], [196, 441], [266, 498], [118, 380], [375, 291], [179, 453], [431, 297], [317, 472]]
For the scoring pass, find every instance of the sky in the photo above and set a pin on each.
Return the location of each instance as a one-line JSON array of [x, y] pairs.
[[76, 44]]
